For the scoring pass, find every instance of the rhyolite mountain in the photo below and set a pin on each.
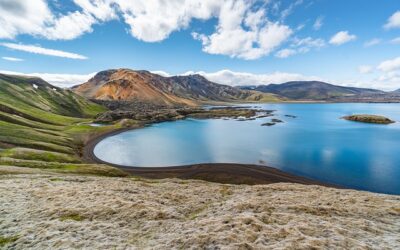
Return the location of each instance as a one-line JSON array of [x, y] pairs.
[[140, 85], [311, 90]]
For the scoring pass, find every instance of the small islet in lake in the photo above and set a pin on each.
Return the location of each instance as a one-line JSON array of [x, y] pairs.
[[312, 141]]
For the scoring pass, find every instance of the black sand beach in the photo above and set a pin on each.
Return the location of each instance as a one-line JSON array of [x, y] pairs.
[[216, 172]]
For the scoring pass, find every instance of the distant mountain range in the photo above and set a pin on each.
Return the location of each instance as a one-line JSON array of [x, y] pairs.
[[144, 86], [312, 90], [127, 85], [397, 91], [17, 92]]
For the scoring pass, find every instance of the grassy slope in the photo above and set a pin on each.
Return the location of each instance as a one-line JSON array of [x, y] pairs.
[[42, 126], [45, 127], [264, 97]]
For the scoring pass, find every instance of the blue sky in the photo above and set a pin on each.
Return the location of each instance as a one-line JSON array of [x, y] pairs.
[[351, 42]]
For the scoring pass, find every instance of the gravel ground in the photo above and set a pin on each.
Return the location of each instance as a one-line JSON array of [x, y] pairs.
[[50, 211]]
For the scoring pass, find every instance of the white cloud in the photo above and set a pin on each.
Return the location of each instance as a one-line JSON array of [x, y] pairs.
[[233, 78], [59, 80], [34, 17], [365, 69], [69, 27], [390, 76], [308, 42], [342, 37], [284, 53], [43, 51], [23, 17], [289, 10], [13, 59], [387, 81], [244, 33], [161, 73], [395, 40], [102, 10], [154, 21], [64, 80], [301, 46], [318, 23], [393, 21], [372, 42], [390, 65], [243, 29], [300, 27]]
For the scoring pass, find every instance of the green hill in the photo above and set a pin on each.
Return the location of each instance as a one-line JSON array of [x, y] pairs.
[[39, 100], [42, 126]]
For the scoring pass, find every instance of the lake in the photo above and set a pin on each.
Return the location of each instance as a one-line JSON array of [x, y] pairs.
[[316, 144]]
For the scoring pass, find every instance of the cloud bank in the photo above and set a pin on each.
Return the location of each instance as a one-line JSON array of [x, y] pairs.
[[243, 28], [233, 78], [59, 80]]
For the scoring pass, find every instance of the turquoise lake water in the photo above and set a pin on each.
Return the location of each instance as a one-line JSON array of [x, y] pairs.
[[316, 144]]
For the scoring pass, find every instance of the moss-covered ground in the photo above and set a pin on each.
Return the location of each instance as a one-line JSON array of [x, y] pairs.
[[45, 127]]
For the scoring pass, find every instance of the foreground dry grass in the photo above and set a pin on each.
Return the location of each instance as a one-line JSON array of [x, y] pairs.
[[53, 211]]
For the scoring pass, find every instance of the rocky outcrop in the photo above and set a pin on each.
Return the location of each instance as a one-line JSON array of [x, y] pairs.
[[169, 114]]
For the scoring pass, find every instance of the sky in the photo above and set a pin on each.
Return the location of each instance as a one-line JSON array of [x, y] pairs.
[[235, 42]]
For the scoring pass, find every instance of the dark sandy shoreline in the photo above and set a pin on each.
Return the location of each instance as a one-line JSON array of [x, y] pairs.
[[232, 173]]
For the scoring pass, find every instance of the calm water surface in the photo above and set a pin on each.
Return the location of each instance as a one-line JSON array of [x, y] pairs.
[[316, 144]]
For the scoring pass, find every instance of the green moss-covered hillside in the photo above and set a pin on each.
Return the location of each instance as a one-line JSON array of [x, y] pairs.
[[42, 126]]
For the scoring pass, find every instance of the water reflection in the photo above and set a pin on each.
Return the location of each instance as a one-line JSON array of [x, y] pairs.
[[316, 144]]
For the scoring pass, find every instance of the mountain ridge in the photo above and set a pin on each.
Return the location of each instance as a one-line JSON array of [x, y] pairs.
[[311, 90], [127, 84]]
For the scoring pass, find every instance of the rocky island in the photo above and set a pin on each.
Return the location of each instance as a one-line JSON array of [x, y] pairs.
[[369, 119]]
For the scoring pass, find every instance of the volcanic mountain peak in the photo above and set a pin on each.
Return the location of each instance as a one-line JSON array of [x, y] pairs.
[[141, 85]]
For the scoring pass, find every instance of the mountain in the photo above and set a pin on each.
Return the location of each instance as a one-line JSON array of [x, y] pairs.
[[311, 90], [35, 98], [129, 85], [396, 91]]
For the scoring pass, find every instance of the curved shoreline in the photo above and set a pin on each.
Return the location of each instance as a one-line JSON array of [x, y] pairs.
[[229, 173]]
